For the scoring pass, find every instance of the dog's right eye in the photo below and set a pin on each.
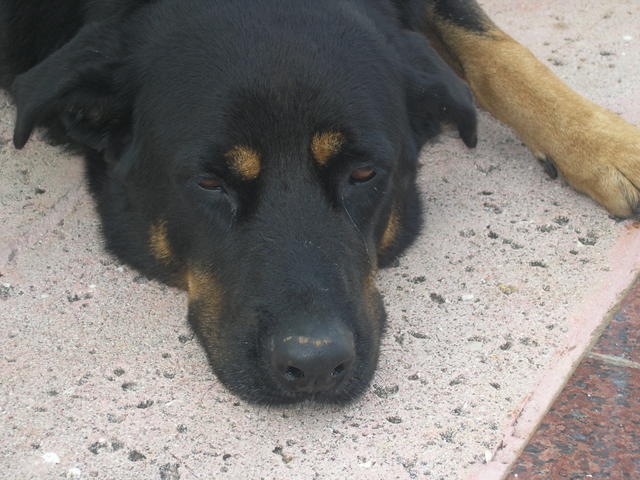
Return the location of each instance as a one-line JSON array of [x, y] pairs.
[[361, 175], [211, 184]]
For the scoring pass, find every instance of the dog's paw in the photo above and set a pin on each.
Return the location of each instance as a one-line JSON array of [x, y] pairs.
[[597, 153]]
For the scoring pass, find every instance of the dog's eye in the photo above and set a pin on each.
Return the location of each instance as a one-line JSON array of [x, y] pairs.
[[211, 184], [361, 175]]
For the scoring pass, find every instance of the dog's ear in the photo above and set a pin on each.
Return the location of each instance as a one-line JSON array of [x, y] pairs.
[[435, 99], [82, 87], [435, 94]]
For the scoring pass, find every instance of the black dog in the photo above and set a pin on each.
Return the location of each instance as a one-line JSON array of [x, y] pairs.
[[261, 154]]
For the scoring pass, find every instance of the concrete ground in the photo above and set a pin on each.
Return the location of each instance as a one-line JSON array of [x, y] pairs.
[[101, 377]]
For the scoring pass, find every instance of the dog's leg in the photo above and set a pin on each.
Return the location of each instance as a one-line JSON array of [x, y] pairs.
[[595, 150]]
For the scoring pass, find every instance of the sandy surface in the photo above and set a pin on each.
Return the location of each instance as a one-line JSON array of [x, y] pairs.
[[100, 376]]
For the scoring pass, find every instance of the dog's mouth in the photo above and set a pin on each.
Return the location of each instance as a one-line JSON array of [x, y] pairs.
[[274, 347], [331, 366]]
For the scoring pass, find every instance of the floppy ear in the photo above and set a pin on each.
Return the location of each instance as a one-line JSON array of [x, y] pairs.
[[435, 94], [435, 99], [80, 87]]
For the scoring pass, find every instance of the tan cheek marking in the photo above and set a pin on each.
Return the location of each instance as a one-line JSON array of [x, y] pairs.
[[205, 293], [244, 161], [325, 145], [391, 231], [159, 242], [204, 288], [371, 297]]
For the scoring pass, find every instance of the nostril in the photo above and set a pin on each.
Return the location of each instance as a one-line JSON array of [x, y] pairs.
[[338, 370], [293, 373]]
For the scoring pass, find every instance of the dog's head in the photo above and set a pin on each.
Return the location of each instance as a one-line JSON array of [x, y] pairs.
[[263, 158]]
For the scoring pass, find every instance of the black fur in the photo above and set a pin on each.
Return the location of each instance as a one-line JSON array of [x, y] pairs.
[[463, 13], [155, 93]]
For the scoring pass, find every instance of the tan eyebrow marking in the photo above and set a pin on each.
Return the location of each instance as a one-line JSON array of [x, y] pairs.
[[325, 145], [244, 161]]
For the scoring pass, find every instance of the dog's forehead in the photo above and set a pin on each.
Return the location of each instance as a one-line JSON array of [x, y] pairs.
[[254, 127], [305, 90], [312, 57]]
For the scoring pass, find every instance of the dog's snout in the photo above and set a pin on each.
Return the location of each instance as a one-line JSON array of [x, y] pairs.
[[312, 363]]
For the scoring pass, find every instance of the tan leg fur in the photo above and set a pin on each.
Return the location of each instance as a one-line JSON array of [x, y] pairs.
[[596, 151]]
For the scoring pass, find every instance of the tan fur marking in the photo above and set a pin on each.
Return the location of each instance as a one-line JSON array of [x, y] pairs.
[[325, 145], [596, 151], [203, 287], [244, 161], [205, 298], [371, 297], [159, 242], [391, 231], [205, 293]]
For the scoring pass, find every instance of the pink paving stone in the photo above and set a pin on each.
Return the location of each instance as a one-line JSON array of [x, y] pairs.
[[453, 373]]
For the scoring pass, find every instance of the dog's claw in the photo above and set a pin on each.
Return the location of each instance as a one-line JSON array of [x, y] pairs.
[[549, 166], [599, 157]]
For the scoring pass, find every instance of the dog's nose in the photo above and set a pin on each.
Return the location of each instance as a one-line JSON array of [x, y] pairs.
[[312, 364]]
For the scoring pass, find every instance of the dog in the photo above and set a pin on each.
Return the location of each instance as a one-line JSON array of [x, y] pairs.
[[262, 154]]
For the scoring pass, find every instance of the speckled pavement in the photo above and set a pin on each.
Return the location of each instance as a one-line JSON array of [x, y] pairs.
[[101, 377]]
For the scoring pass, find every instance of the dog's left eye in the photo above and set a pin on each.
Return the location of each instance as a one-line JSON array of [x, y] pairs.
[[361, 175], [211, 184]]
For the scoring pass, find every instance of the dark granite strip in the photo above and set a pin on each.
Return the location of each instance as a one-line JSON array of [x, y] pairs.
[[592, 430], [621, 338]]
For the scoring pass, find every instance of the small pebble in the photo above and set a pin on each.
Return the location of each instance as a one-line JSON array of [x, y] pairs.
[[507, 289], [50, 457], [385, 392], [439, 299], [487, 456], [145, 404], [74, 473], [170, 471], [97, 446], [506, 345], [136, 456]]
